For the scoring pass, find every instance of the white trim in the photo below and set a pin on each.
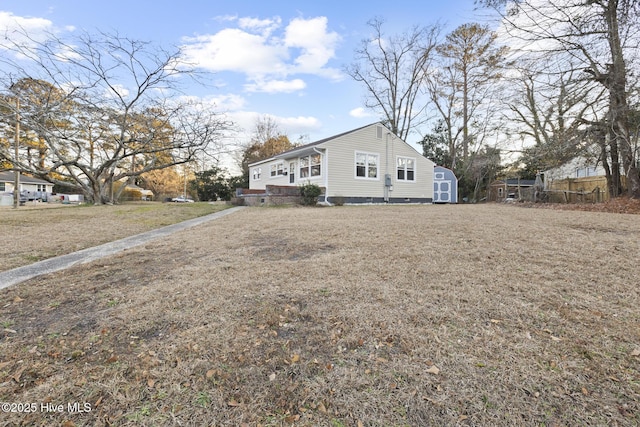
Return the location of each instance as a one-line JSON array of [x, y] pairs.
[[292, 174], [326, 175], [308, 167], [415, 170], [355, 165], [279, 170], [256, 174]]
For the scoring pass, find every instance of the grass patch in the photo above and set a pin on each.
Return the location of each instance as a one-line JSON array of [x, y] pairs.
[[386, 316], [32, 234]]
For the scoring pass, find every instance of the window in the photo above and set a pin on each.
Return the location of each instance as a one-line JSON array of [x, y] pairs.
[[366, 165], [277, 169], [3, 186], [304, 167], [310, 166], [257, 172], [406, 169], [41, 187], [586, 171]]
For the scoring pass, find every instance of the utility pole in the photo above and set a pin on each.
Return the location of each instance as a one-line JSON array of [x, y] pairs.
[[16, 183]]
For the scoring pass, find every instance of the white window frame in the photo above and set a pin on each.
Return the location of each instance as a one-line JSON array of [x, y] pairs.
[[366, 165], [276, 169], [257, 173], [406, 168], [310, 166]]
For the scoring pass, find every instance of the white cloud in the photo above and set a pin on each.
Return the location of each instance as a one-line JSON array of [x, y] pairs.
[[228, 102], [276, 86], [360, 113], [291, 126], [266, 53], [264, 26], [16, 28], [235, 50], [316, 42], [299, 125]]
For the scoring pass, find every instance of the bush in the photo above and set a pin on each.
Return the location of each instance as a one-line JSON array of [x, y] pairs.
[[310, 193]]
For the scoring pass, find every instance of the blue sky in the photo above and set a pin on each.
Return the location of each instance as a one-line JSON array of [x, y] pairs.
[[278, 58]]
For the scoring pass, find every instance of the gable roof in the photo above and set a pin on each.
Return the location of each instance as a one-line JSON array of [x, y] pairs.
[[25, 179], [309, 147]]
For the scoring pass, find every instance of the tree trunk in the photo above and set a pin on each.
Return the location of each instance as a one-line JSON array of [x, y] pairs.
[[615, 188], [619, 108]]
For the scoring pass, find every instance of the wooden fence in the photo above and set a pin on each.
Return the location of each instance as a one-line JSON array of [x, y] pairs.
[[590, 189]]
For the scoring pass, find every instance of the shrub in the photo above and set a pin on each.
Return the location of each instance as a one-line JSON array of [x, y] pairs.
[[310, 193]]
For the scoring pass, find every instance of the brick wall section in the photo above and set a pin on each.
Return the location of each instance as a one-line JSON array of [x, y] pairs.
[[274, 195]]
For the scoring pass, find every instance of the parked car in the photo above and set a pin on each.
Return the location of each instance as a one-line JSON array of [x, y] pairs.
[[182, 200]]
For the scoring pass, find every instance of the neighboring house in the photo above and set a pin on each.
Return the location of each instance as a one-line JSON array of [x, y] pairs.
[[364, 165], [578, 178], [445, 185], [578, 167], [137, 193], [511, 189], [30, 188]]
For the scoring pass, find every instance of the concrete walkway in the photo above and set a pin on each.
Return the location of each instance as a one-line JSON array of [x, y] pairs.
[[20, 274]]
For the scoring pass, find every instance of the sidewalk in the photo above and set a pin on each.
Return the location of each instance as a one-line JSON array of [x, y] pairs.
[[51, 265]]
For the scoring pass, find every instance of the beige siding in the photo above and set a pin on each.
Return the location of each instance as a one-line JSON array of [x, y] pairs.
[[265, 175], [339, 167], [342, 172]]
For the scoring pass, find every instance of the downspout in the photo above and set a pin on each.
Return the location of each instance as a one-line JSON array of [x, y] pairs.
[[326, 172], [387, 175]]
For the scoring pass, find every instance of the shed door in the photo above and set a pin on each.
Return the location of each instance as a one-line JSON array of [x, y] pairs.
[[442, 191]]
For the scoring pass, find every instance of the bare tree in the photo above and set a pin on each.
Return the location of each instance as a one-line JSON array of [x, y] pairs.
[[266, 140], [393, 70], [600, 36], [554, 109], [112, 111], [471, 65]]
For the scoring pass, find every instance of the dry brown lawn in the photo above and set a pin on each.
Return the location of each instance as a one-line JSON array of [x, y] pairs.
[[36, 232], [484, 315]]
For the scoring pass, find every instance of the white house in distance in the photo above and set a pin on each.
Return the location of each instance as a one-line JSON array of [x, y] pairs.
[[365, 165], [30, 188], [578, 167]]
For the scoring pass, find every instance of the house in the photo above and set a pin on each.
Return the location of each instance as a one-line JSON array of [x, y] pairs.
[[445, 185], [577, 180], [578, 167], [133, 192], [511, 189], [365, 165], [30, 188]]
